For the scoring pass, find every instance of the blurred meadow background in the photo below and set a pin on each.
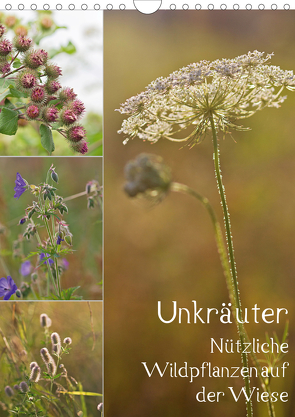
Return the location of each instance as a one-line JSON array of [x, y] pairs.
[[168, 252], [20, 325], [85, 262], [74, 42]]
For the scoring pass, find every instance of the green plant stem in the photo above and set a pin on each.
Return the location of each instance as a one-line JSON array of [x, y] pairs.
[[233, 270], [56, 268], [177, 187]]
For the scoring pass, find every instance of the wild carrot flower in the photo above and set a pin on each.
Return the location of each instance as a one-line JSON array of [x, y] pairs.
[[180, 106], [20, 186], [7, 287]]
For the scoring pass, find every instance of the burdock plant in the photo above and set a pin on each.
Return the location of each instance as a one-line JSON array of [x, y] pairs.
[[205, 97]]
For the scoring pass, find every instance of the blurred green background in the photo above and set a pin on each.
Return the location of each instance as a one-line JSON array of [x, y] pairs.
[[168, 252], [85, 263], [20, 324]]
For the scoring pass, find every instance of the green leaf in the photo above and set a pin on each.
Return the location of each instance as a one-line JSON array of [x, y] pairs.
[[46, 138], [5, 83], [8, 121], [16, 93], [68, 49], [68, 294]]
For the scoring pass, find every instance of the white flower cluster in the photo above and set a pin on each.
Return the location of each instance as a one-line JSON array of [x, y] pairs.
[[181, 106]]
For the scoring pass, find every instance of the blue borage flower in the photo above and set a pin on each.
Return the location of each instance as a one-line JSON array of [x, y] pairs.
[[7, 287], [20, 186]]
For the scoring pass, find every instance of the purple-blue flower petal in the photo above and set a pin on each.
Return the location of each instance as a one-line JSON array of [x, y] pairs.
[[20, 186], [7, 287], [25, 268]]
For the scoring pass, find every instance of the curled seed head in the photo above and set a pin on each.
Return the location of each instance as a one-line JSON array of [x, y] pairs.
[[35, 374], [45, 320], [8, 391], [24, 386], [147, 175]]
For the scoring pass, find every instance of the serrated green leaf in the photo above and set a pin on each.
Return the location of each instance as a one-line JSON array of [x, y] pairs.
[[17, 93], [46, 138], [8, 121]]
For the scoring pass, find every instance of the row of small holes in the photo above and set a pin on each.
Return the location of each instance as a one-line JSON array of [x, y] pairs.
[[123, 7]]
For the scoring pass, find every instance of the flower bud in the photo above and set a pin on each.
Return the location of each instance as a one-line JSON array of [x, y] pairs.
[[34, 276], [76, 133], [50, 114], [2, 30], [24, 386], [21, 30], [32, 111], [4, 66], [52, 86], [53, 71], [90, 202], [22, 43], [18, 293], [35, 374], [5, 47], [68, 341], [33, 364], [38, 94], [45, 320], [68, 117], [16, 387], [46, 22], [55, 338], [54, 176], [10, 21], [48, 360], [78, 107], [33, 59], [68, 240], [66, 94], [26, 79], [8, 391], [80, 146]]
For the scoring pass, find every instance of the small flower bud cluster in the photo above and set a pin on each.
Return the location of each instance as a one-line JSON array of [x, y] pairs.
[[24, 387], [35, 372], [39, 79], [147, 175]]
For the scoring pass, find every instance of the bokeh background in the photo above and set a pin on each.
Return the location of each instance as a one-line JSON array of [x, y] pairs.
[[75, 43], [20, 325], [168, 252], [85, 262]]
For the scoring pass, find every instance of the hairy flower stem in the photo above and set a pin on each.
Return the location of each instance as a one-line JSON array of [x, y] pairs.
[[233, 270], [181, 188], [56, 268]]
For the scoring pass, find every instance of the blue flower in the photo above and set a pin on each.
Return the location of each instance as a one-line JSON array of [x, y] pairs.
[[7, 287], [25, 268], [20, 186], [45, 255], [59, 240]]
